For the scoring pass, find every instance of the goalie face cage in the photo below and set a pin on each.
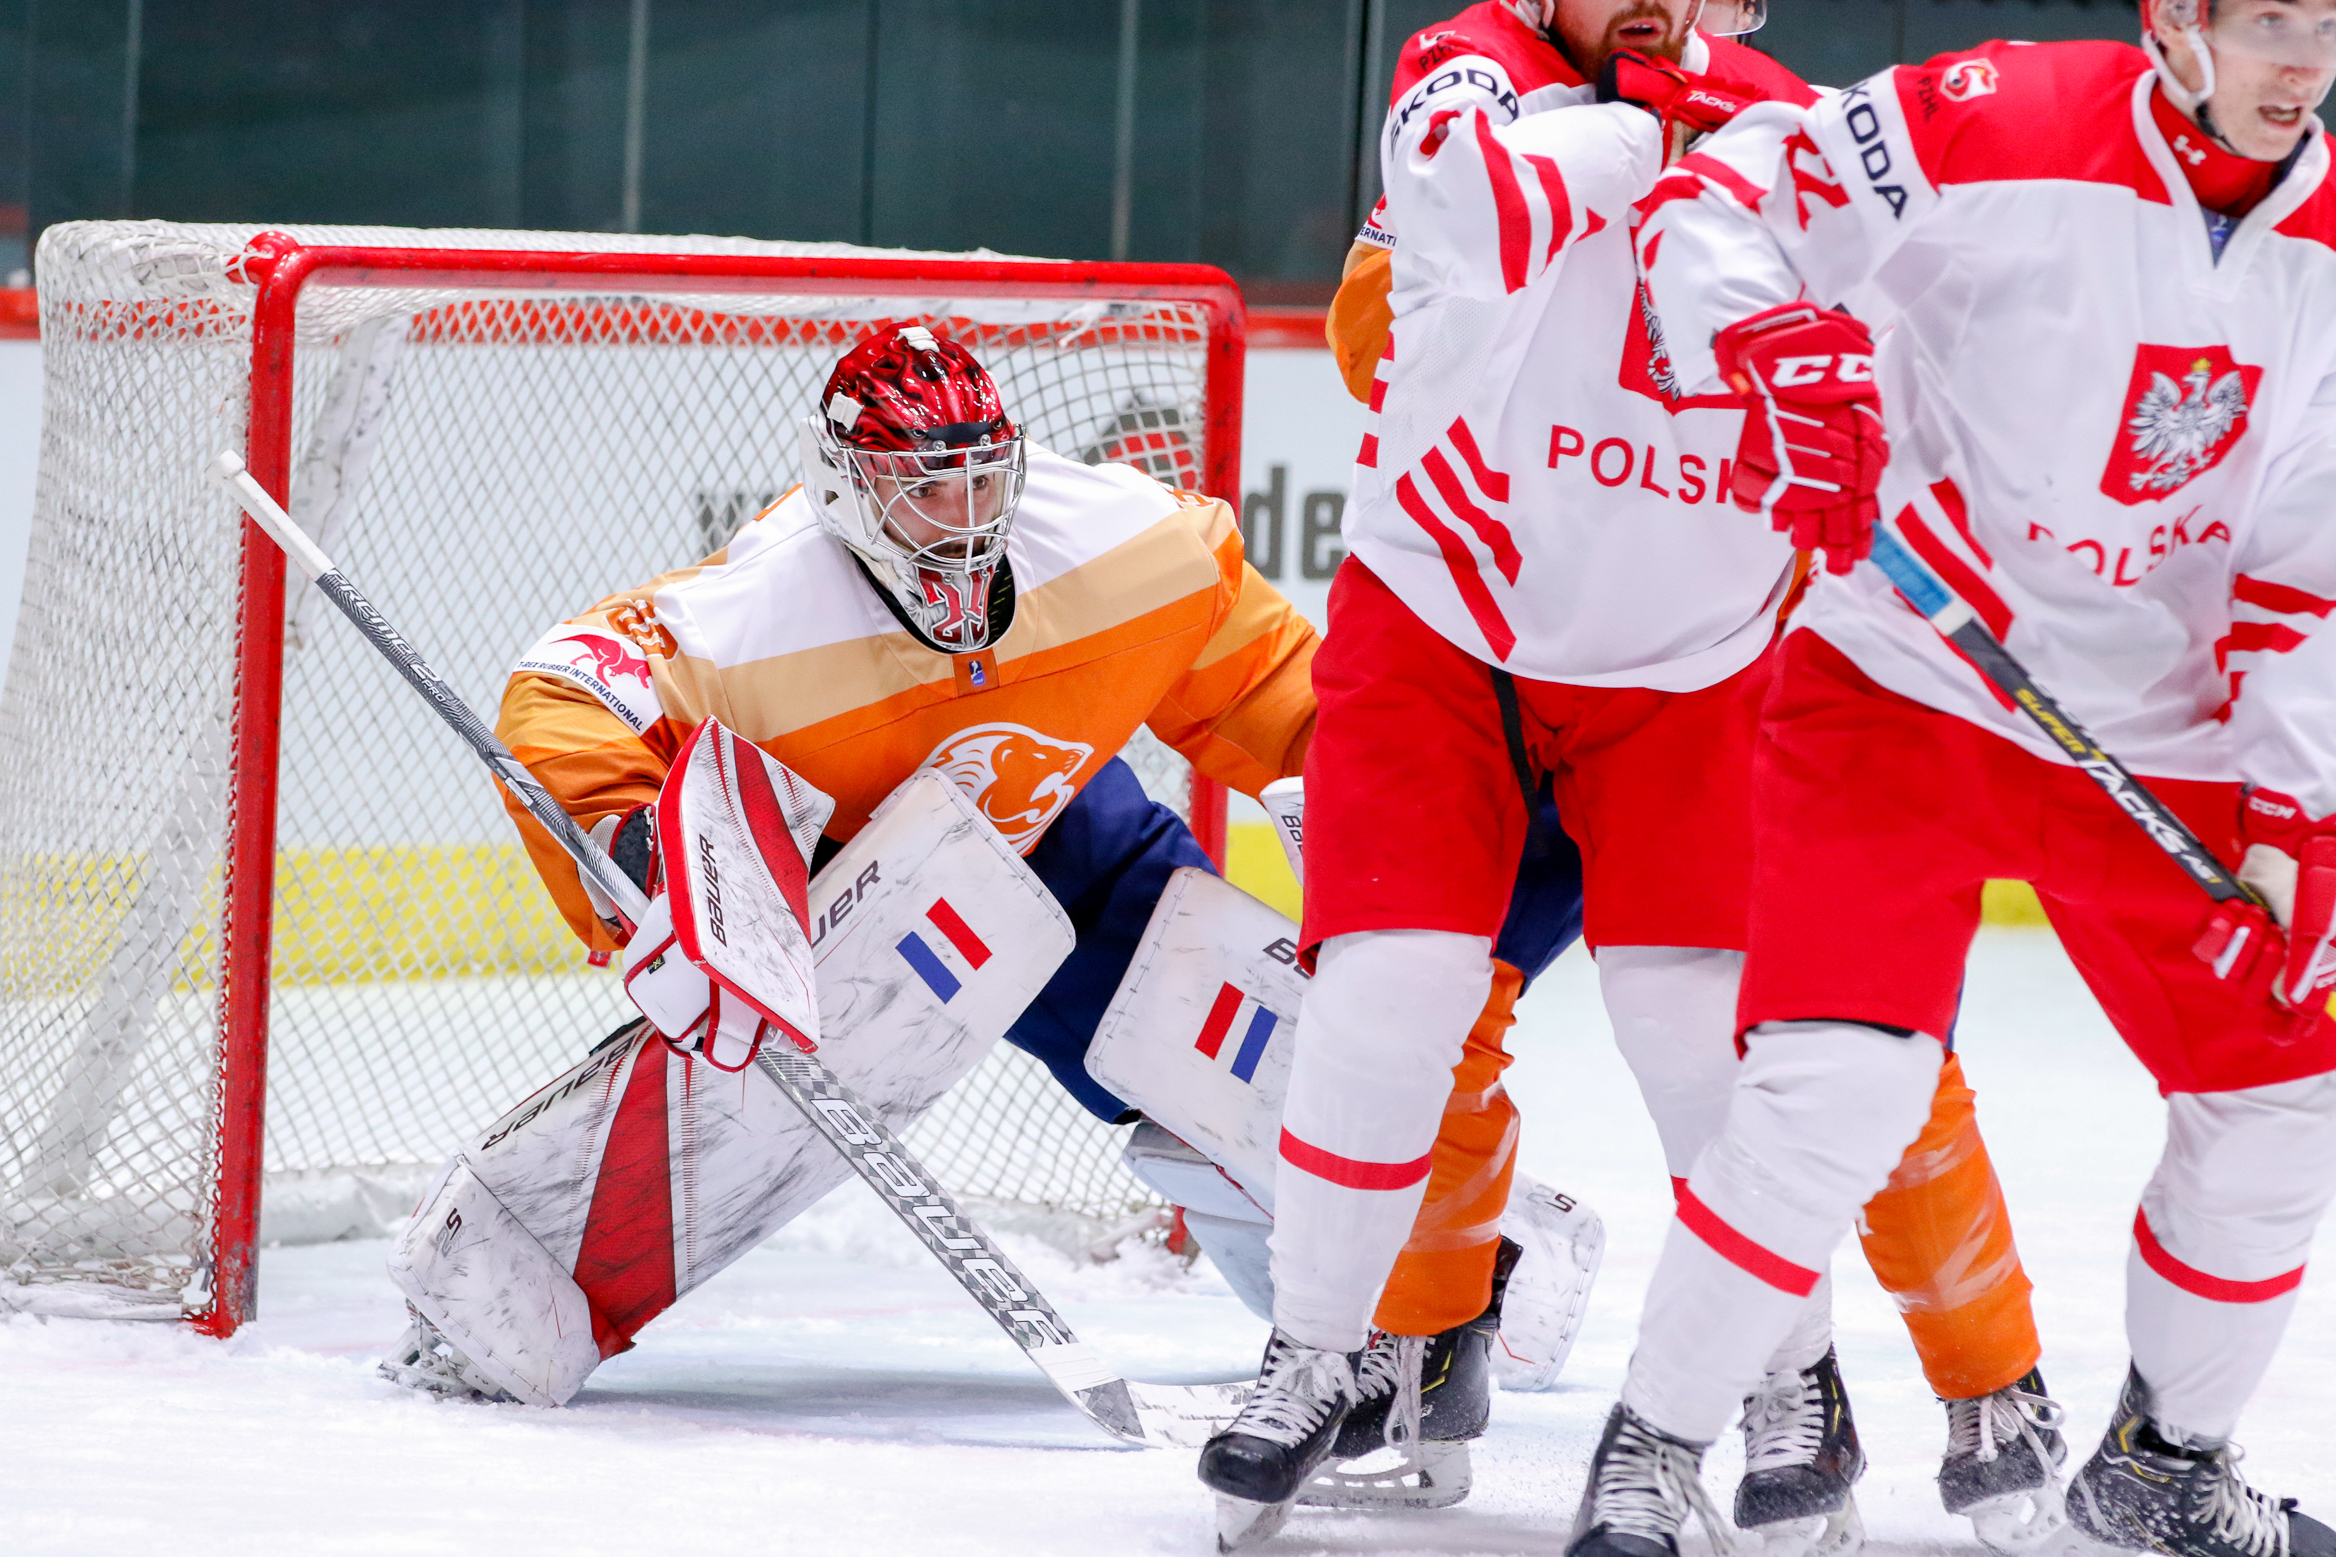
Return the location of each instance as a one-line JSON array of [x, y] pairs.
[[490, 431]]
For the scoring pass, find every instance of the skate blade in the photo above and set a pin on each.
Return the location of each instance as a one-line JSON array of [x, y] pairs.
[[1243, 1523], [2032, 1522], [1432, 1475], [1821, 1535]]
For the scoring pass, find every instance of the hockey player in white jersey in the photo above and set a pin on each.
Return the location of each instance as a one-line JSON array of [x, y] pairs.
[[1546, 586], [2108, 279]]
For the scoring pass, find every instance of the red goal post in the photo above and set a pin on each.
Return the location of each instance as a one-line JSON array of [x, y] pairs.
[[680, 296]]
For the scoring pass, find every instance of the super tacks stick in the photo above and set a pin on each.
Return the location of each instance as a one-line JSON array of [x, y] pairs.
[[1178, 1415], [1960, 625]]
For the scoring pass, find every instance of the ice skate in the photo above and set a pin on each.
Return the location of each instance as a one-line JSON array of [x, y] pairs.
[[1643, 1485], [2002, 1468], [2141, 1493], [1419, 1400], [1801, 1462], [424, 1360], [1257, 1466]]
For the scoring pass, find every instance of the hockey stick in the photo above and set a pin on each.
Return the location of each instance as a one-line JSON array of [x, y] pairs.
[[1161, 1415], [1960, 625]]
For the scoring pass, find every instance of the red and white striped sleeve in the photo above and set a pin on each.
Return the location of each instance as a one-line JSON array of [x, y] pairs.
[[2279, 654], [1782, 203], [1488, 201]]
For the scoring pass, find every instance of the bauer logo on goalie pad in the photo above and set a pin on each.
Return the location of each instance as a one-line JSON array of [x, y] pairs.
[[604, 664], [736, 831], [1199, 1034]]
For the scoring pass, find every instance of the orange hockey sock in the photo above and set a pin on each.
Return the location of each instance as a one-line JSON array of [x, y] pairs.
[[1443, 1277], [1939, 1238]]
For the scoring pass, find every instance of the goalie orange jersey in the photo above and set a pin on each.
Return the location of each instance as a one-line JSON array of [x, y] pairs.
[[1132, 607]]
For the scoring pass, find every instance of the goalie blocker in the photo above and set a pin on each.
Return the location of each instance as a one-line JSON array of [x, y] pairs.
[[596, 1203]]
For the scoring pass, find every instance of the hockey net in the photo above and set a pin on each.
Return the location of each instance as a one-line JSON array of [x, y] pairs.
[[485, 447]]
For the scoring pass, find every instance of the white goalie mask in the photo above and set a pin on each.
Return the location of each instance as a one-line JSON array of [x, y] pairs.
[[912, 464]]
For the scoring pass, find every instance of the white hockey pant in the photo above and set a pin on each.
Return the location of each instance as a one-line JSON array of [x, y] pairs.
[[2219, 1245], [1673, 1009], [1381, 1028], [1821, 1114]]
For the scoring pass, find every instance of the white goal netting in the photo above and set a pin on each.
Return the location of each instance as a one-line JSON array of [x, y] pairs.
[[482, 463]]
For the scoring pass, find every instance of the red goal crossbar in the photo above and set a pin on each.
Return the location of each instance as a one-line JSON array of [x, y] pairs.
[[282, 268]]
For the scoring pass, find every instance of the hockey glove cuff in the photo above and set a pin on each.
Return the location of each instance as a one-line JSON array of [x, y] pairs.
[[1677, 99], [1812, 450], [630, 837], [2291, 860]]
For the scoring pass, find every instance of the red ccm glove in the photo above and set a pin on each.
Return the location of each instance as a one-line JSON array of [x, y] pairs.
[[2291, 860], [1679, 100], [1813, 447]]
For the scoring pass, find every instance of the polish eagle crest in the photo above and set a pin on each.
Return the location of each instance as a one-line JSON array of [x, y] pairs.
[[2185, 409], [2178, 427]]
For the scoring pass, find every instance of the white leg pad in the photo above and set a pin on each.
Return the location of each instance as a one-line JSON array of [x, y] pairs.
[[495, 1292]]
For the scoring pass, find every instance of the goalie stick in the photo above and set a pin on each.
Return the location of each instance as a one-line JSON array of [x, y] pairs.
[[1160, 1415], [1956, 622]]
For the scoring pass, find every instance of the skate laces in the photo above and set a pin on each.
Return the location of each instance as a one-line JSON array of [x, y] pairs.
[[1295, 1391], [2252, 1521], [1391, 1365], [1784, 1422], [1981, 1427], [1647, 1486]]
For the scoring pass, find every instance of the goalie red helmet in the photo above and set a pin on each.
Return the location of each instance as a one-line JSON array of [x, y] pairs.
[[912, 463]]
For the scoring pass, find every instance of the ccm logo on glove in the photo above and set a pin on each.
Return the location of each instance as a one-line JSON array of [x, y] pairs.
[[1792, 372]]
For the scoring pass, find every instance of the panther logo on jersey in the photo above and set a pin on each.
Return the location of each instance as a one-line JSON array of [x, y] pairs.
[[1017, 778], [2185, 408]]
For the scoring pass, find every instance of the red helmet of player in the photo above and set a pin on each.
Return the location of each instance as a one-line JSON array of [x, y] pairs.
[[912, 462]]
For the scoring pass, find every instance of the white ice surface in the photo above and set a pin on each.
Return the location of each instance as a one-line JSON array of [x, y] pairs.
[[834, 1393]]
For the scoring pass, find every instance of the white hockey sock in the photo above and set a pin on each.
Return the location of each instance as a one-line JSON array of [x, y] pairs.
[[2220, 1242], [1674, 1015], [1381, 1029], [1822, 1112]]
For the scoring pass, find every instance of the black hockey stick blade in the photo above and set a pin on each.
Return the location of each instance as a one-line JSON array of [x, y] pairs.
[[1161, 1415]]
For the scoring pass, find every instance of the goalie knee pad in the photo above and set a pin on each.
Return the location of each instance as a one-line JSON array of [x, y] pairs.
[[645, 1169]]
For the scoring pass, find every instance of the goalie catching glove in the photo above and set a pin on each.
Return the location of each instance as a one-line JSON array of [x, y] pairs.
[[1813, 448], [2283, 953]]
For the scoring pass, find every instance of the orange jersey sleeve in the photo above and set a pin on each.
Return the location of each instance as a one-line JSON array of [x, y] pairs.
[[1245, 710], [1359, 317], [593, 765]]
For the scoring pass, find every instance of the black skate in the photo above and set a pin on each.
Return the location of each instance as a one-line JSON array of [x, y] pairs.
[[2002, 1469], [1422, 1399], [1257, 1466], [1643, 1485], [2141, 1493], [1801, 1460]]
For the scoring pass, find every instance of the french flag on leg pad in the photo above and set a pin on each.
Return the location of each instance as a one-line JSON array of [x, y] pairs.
[[920, 950]]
